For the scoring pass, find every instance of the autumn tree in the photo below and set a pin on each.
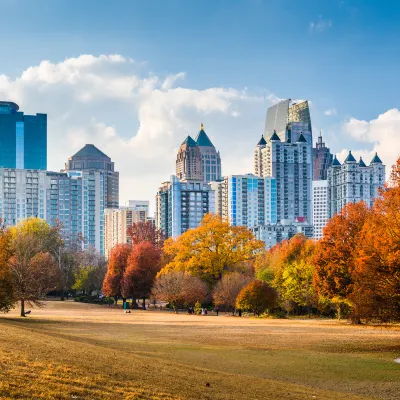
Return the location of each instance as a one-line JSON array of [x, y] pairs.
[[227, 289], [257, 296], [376, 290], [212, 249], [145, 232], [33, 269], [178, 288], [335, 254], [90, 273], [143, 266], [7, 294], [117, 264]]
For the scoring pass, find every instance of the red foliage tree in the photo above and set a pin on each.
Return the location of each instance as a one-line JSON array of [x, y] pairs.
[[143, 266], [146, 232], [335, 253], [117, 264]]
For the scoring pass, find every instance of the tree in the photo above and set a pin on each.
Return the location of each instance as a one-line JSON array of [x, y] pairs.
[[257, 296], [376, 290], [143, 266], [335, 254], [7, 294], [227, 289], [178, 288], [146, 232], [212, 249], [33, 269], [117, 264], [89, 275]]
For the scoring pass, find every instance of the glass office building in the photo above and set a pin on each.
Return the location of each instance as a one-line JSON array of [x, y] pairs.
[[23, 138]]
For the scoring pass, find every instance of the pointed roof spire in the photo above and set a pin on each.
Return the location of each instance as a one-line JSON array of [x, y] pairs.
[[274, 137], [336, 162], [361, 163], [262, 141], [189, 142], [301, 139], [202, 139], [350, 158], [376, 159]]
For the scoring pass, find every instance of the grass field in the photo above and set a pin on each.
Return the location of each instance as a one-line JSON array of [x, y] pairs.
[[78, 351]]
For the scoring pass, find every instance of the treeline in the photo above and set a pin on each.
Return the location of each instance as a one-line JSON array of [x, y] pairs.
[[34, 261]]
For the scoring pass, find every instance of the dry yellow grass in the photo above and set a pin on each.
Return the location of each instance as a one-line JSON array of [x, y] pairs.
[[79, 351]]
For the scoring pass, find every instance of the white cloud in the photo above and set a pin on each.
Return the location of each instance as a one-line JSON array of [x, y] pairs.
[[320, 25], [330, 112], [139, 120], [382, 135]]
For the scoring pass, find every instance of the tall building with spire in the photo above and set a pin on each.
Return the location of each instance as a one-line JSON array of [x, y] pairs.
[[210, 157], [354, 181], [189, 161], [290, 164], [322, 159]]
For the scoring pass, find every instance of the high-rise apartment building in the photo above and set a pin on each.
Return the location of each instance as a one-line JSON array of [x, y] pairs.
[[210, 157], [354, 181], [117, 221], [289, 120], [246, 200], [75, 199], [90, 158], [182, 205], [23, 138], [138, 205], [322, 160], [188, 161], [320, 207], [290, 164]]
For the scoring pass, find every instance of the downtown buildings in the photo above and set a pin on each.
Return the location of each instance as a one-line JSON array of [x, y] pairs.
[[23, 138]]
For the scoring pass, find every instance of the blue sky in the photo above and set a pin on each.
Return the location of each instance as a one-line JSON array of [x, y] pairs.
[[344, 56]]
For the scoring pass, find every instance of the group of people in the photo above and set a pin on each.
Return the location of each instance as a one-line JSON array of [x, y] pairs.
[[204, 311]]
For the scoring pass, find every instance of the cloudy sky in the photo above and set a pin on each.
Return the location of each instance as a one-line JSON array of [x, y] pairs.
[[137, 78]]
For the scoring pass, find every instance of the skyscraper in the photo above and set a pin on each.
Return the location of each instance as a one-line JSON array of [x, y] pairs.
[[246, 200], [322, 159], [354, 181], [320, 207], [188, 161], [90, 158], [290, 164], [289, 120], [182, 205], [210, 157], [23, 138]]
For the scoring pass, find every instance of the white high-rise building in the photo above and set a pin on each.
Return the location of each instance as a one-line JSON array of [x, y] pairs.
[[320, 207], [182, 205], [118, 220], [246, 200], [291, 165], [354, 181]]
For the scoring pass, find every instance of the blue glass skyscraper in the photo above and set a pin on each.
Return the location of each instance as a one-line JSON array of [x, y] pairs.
[[23, 138]]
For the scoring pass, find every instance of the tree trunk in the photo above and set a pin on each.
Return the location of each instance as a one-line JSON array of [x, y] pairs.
[[62, 294], [309, 311], [144, 303], [22, 308]]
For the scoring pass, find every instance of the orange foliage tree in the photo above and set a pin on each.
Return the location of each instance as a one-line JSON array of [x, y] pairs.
[[257, 296], [376, 293], [117, 264], [335, 254], [143, 266], [145, 232], [212, 249]]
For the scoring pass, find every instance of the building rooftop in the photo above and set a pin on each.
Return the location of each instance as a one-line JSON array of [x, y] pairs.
[[90, 150], [361, 163], [301, 139], [376, 159], [262, 141], [274, 137], [202, 139], [189, 142], [336, 162], [350, 158], [9, 105]]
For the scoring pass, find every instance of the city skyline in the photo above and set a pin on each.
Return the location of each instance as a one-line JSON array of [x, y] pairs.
[[136, 104]]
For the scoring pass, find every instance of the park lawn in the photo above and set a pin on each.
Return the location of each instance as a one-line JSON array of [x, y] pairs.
[[78, 351]]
